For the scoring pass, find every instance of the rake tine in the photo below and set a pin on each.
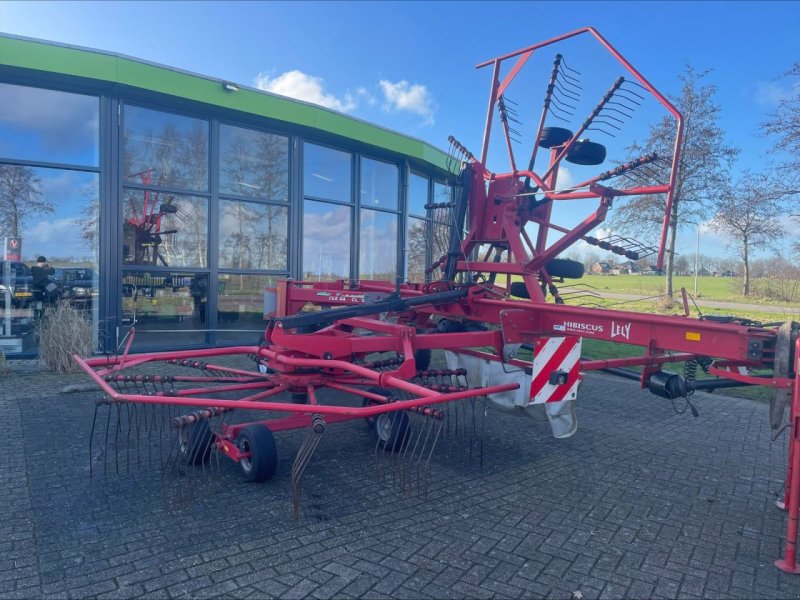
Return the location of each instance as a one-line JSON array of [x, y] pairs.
[[171, 473], [128, 437], [138, 417], [161, 437], [403, 456], [150, 424], [302, 459], [430, 454], [103, 401], [117, 430]]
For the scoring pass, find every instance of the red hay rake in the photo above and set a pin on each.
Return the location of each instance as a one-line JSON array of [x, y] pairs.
[[366, 354]]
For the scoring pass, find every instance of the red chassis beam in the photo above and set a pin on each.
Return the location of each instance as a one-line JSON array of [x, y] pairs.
[[521, 321]]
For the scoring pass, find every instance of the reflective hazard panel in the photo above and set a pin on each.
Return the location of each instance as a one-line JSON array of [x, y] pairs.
[[556, 369]]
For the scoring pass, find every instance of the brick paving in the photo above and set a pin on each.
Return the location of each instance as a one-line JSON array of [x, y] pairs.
[[640, 503]]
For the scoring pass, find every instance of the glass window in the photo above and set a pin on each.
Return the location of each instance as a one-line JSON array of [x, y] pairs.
[[442, 219], [167, 308], [253, 164], [53, 213], [253, 236], [326, 173], [417, 249], [168, 230], [48, 125], [326, 241], [242, 306], [378, 245], [417, 195], [165, 149], [442, 193], [379, 184]]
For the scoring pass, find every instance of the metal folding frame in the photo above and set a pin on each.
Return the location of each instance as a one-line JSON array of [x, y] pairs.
[[302, 353]]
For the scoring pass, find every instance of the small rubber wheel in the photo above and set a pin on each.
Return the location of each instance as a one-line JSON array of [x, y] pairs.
[[519, 290], [554, 136], [584, 152], [196, 442], [565, 268], [370, 421], [422, 359], [258, 440], [392, 430]]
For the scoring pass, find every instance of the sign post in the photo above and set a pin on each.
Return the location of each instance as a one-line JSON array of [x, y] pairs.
[[12, 251]]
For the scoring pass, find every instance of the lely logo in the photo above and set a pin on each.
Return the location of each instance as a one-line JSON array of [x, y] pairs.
[[620, 330]]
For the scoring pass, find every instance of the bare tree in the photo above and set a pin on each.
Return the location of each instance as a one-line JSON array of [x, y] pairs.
[[778, 279], [750, 216], [701, 177], [590, 258], [417, 250], [20, 198], [784, 123], [681, 265]]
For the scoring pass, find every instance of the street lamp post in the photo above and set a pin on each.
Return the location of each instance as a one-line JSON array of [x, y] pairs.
[[696, 257]]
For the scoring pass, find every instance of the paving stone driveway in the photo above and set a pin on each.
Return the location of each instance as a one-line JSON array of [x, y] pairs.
[[639, 503]]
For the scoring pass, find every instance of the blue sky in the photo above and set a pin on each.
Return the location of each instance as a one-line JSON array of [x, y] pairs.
[[410, 66]]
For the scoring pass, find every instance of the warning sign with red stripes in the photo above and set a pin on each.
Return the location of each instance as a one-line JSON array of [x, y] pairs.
[[556, 369]]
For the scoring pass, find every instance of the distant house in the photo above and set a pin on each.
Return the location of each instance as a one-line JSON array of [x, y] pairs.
[[602, 268], [626, 268], [651, 270]]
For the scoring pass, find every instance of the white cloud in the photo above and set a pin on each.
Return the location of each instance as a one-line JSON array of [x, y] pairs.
[[771, 94], [404, 96], [565, 178], [299, 85], [366, 95]]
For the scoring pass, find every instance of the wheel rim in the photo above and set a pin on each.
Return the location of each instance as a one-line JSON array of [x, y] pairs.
[[183, 440], [383, 427], [246, 463]]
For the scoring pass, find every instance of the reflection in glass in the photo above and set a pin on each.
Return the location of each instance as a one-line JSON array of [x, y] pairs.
[[417, 195], [167, 308], [241, 306], [253, 236], [378, 245], [442, 220], [168, 230], [417, 249], [165, 149], [379, 181], [326, 241], [253, 164], [54, 213], [326, 173], [442, 193], [48, 125]]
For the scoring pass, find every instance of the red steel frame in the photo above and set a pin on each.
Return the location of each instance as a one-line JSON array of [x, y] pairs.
[[498, 214]]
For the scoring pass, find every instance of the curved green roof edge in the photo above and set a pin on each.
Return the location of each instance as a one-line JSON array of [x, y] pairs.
[[41, 55]]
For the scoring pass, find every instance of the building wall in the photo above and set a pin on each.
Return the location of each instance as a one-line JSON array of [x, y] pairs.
[[175, 215]]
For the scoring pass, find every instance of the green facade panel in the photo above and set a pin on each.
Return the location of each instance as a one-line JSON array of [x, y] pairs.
[[99, 66]]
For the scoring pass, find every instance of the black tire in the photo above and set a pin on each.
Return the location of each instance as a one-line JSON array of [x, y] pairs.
[[422, 358], [519, 289], [565, 268], [196, 443], [584, 152], [258, 440], [554, 136], [393, 430], [370, 421]]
